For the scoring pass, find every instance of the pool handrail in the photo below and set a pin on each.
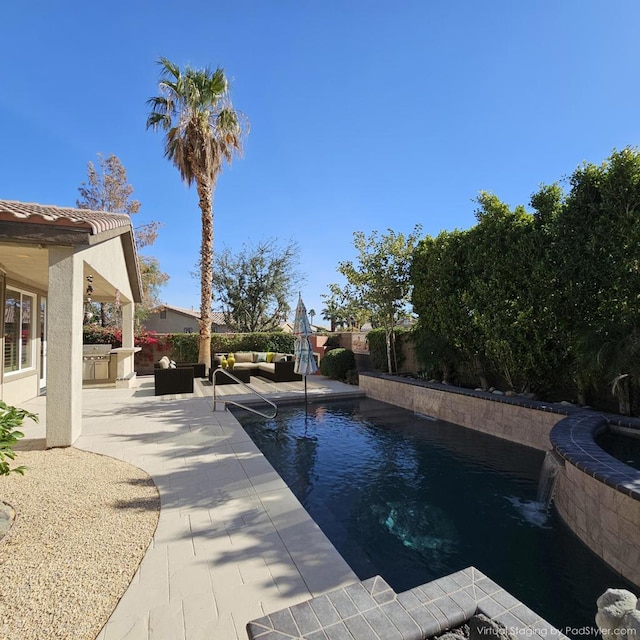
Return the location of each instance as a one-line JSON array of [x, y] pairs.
[[239, 404]]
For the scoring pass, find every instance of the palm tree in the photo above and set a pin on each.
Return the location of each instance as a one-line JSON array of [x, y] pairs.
[[202, 131], [312, 313]]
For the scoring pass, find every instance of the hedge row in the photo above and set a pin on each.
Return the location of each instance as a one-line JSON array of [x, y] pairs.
[[183, 347]]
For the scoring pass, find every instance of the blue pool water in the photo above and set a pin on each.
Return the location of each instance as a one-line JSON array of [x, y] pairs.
[[413, 499]]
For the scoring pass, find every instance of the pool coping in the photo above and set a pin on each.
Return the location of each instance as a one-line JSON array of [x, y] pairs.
[[372, 610], [574, 438]]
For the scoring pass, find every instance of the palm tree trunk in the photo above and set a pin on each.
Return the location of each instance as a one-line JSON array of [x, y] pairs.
[[205, 194]]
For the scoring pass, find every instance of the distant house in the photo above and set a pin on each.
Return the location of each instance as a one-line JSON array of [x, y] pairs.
[[287, 327], [169, 319]]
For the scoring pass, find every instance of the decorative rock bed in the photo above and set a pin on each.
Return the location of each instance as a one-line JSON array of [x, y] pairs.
[[7, 516]]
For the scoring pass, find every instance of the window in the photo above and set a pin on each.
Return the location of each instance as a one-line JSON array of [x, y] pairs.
[[18, 331], [188, 330], [163, 314]]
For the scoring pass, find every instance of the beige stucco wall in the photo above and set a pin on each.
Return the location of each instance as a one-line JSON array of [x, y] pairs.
[[64, 369], [606, 520], [523, 425], [173, 323], [20, 387], [107, 259]]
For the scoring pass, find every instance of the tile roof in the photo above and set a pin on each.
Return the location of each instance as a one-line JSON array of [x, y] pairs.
[[95, 221], [217, 317]]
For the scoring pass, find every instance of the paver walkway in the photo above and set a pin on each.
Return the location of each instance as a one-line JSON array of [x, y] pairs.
[[232, 542]]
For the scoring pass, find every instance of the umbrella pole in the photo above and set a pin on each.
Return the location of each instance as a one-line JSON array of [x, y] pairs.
[[305, 393]]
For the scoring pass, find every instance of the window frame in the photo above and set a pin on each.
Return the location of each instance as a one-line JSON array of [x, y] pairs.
[[9, 293]]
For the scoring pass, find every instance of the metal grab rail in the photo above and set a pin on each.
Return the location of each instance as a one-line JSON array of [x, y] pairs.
[[239, 404]]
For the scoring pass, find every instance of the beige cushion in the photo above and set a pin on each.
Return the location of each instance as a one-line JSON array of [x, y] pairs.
[[243, 356], [243, 365], [164, 362]]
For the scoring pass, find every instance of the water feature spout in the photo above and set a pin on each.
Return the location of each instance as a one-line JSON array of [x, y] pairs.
[[548, 474]]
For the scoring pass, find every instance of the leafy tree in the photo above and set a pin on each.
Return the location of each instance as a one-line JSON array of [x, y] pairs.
[[153, 278], [254, 284], [484, 299], [546, 300], [381, 278], [509, 293], [595, 257], [447, 335], [107, 189], [340, 306], [202, 131]]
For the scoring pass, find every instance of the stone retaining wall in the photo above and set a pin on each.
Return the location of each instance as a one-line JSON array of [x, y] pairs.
[[607, 521], [597, 495], [525, 422]]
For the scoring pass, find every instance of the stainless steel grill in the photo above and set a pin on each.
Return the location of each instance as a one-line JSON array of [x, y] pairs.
[[96, 361]]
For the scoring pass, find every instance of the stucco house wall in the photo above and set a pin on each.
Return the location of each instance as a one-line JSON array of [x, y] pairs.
[[47, 255], [171, 319]]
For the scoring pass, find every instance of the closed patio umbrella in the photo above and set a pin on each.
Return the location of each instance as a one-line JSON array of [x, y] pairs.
[[303, 351]]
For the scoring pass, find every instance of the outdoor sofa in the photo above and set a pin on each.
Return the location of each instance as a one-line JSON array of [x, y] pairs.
[[168, 377], [277, 367]]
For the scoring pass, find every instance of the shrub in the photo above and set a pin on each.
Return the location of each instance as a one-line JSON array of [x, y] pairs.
[[231, 342], [376, 339], [352, 377], [10, 419], [184, 346], [95, 334], [337, 363]]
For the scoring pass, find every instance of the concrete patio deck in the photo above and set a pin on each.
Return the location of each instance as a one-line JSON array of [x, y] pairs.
[[232, 542]]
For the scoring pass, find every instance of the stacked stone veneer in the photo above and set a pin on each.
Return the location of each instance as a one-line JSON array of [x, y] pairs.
[[595, 494], [516, 419]]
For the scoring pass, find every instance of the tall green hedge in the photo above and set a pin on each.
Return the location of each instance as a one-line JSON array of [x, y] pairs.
[[276, 341], [184, 346], [543, 301], [376, 339]]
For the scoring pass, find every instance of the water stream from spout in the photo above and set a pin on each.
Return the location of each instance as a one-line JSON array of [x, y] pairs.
[[551, 465]]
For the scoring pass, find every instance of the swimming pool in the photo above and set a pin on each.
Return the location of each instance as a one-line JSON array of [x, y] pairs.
[[413, 499]]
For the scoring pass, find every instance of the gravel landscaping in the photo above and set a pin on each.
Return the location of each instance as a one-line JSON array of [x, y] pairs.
[[83, 523]]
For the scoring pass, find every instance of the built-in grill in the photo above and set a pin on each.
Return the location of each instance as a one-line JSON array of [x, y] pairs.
[[96, 361]]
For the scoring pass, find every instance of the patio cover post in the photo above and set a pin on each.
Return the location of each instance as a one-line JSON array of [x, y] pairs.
[[64, 361], [127, 324], [125, 368]]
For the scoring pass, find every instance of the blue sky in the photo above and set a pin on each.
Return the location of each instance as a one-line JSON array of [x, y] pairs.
[[365, 115]]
